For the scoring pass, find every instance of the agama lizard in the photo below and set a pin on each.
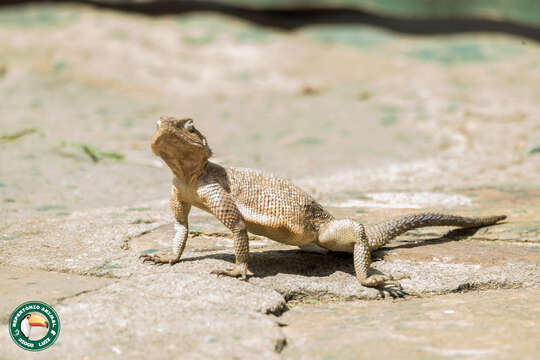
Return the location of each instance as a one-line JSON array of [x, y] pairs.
[[247, 200]]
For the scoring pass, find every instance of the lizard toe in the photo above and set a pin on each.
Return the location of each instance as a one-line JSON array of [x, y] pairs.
[[376, 280], [239, 270], [157, 259], [227, 272]]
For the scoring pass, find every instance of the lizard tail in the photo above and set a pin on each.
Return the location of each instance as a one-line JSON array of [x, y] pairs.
[[381, 233]]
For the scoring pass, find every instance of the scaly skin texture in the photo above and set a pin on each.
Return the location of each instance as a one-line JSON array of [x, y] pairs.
[[246, 200]]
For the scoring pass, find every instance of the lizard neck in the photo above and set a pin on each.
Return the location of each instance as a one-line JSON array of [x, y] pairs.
[[175, 166]]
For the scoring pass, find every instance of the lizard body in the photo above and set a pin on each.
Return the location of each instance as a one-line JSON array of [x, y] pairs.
[[247, 200]]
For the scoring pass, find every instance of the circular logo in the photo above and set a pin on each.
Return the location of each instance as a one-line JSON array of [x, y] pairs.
[[34, 326]]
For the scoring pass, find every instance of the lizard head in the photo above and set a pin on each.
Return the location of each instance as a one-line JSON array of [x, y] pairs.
[[181, 146]]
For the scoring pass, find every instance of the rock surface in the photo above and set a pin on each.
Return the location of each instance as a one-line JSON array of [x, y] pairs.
[[477, 325]]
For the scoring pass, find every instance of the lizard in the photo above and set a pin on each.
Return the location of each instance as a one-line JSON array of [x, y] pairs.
[[247, 200]]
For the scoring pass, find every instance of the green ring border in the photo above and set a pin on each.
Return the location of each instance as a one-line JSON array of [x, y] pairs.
[[40, 303]]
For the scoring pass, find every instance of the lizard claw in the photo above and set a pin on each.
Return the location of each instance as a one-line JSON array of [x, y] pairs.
[[239, 270], [394, 291], [159, 259]]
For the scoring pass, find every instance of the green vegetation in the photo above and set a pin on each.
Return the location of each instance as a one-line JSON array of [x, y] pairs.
[[19, 134], [309, 140], [390, 115], [50, 207], [149, 251], [138, 209], [36, 16], [352, 35], [451, 53], [93, 152]]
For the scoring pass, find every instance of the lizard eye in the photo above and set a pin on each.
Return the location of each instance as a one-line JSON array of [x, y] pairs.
[[188, 125]]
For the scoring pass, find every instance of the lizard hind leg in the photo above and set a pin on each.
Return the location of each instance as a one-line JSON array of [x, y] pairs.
[[362, 261], [349, 235]]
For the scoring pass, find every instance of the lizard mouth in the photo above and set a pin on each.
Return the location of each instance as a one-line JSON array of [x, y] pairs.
[[167, 138], [173, 137]]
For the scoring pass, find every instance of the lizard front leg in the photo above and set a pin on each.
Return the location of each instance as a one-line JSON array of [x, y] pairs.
[[223, 207], [180, 211], [241, 252]]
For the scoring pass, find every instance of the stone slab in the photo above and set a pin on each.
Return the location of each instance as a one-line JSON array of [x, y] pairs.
[[18, 285], [477, 325], [165, 316]]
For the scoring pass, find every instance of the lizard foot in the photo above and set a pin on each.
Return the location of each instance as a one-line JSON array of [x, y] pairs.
[[236, 271], [386, 284], [381, 279], [159, 259]]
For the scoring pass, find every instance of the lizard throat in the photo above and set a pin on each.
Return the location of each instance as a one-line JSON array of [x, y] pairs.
[[174, 165]]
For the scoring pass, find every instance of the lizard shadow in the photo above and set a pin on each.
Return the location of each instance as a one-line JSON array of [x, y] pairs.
[[452, 235], [297, 262], [267, 263]]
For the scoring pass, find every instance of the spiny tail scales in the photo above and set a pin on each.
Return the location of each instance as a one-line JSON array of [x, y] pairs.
[[381, 233]]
